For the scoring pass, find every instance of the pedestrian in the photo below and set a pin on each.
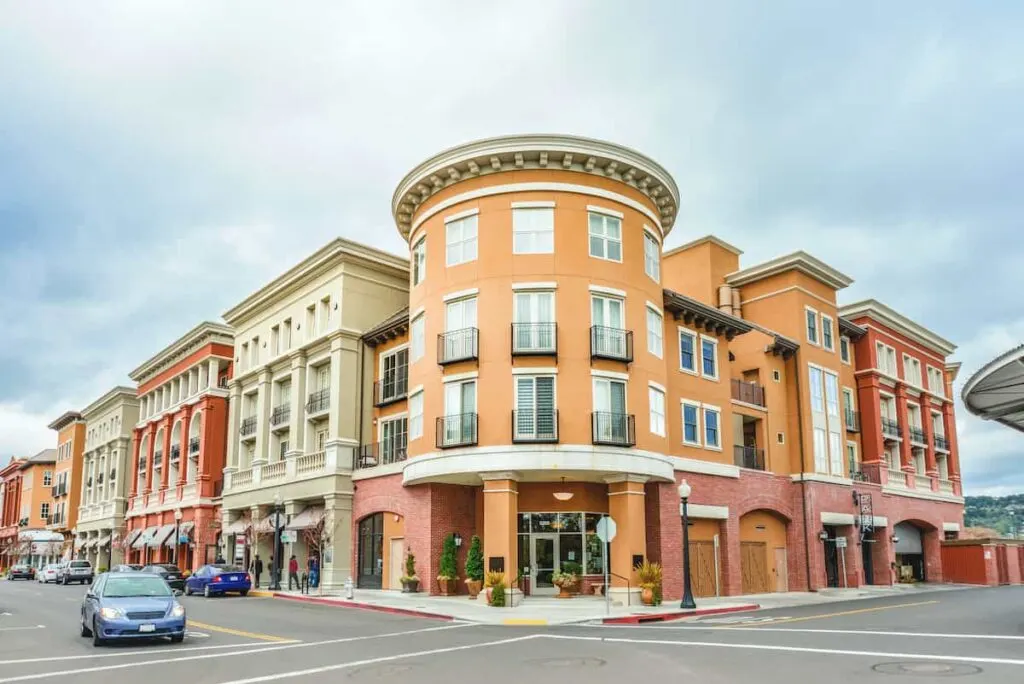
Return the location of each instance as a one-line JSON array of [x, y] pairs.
[[293, 573], [314, 571], [257, 569], [275, 584]]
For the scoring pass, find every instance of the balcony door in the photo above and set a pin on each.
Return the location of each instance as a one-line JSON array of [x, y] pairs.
[[459, 316], [459, 407], [534, 309], [607, 314], [610, 407]]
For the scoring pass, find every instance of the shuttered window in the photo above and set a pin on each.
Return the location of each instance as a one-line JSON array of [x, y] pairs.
[[535, 407]]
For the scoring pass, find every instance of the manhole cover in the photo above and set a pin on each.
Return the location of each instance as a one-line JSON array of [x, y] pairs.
[[567, 662], [926, 669], [381, 671]]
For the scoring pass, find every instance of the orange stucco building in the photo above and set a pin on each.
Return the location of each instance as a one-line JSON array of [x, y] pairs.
[[67, 481]]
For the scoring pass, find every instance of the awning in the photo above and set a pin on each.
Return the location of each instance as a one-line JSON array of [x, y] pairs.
[[265, 525], [130, 539], [91, 544], [144, 538], [309, 517], [237, 527], [183, 531], [103, 542], [161, 536], [40, 536]]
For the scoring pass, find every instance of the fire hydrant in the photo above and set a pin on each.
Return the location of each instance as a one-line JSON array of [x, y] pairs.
[[349, 589]]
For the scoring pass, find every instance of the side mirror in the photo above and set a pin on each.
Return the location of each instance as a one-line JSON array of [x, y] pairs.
[[177, 592], [90, 594]]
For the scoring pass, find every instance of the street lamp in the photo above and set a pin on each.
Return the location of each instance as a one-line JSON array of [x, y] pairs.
[[275, 519], [177, 532], [687, 603]]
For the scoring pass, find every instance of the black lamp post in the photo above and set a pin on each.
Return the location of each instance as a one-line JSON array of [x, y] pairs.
[[687, 603], [275, 573], [177, 533]]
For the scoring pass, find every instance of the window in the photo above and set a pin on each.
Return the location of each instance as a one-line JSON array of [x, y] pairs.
[[852, 462], [416, 415], [460, 318], [44, 510], [533, 230], [709, 357], [780, 437], [687, 351], [832, 394], [655, 325], [320, 440], [418, 339], [850, 407], [712, 433], [419, 261], [323, 377], [284, 448], [610, 407], [936, 382], [605, 236], [812, 326], [275, 340], [911, 370], [691, 428], [844, 349], [460, 413], [886, 358], [817, 385], [657, 401], [47, 478], [826, 333], [820, 451], [535, 408], [461, 240], [776, 376], [535, 312], [393, 439], [311, 321], [286, 337], [394, 375], [607, 316], [835, 453], [652, 257], [325, 314]]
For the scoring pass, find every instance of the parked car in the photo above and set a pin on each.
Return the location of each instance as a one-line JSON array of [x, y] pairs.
[[76, 571], [214, 580], [131, 605], [126, 567], [171, 573], [26, 572], [48, 573]]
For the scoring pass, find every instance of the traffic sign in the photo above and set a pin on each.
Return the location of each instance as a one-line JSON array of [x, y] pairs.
[[606, 529], [840, 542]]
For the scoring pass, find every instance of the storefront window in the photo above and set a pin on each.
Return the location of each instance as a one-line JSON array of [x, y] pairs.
[[569, 522], [577, 538], [524, 523], [543, 523]]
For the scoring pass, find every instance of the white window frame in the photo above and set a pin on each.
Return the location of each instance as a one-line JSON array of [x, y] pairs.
[[606, 217], [705, 410], [652, 255], [655, 334], [816, 339], [419, 261], [692, 334], [714, 343], [416, 415], [844, 349], [882, 359], [417, 338], [683, 404], [469, 249], [831, 346], [656, 419], [515, 399], [522, 209]]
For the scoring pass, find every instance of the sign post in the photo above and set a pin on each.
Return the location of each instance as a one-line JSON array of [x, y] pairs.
[[841, 548], [606, 530]]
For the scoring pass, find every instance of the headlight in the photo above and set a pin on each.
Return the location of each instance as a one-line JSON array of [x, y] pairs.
[[111, 613], [178, 610]]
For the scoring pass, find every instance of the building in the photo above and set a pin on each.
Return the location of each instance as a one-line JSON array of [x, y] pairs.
[[10, 511], [67, 485], [37, 546], [99, 535], [178, 449], [539, 283], [296, 396], [996, 390]]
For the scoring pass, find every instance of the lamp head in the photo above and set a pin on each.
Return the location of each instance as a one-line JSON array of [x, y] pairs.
[[684, 490]]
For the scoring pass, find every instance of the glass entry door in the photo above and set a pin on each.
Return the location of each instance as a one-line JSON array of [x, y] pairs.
[[544, 563]]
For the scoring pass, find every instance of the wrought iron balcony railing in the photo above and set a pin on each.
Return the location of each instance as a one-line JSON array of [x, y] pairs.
[[613, 429], [458, 345], [615, 344], [748, 457], [534, 339], [456, 430]]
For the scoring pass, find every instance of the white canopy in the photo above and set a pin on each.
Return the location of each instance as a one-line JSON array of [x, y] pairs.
[[309, 517], [144, 538], [161, 535], [40, 536]]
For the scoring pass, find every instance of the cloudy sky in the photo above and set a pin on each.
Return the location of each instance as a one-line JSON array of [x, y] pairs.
[[161, 160]]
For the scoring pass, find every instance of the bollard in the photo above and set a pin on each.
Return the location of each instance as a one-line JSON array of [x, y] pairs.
[[349, 594]]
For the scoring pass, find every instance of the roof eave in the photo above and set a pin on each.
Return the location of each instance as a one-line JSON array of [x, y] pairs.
[[710, 319]]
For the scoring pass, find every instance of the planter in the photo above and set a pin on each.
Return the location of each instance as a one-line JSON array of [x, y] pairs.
[[513, 597], [446, 587], [647, 595], [568, 590], [410, 586], [474, 587]]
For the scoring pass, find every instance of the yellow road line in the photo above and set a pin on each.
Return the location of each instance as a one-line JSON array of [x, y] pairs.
[[847, 612], [523, 621], [239, 632]]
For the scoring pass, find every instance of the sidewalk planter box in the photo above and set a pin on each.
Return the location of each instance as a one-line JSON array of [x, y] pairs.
[[474, 587], [447, 587]]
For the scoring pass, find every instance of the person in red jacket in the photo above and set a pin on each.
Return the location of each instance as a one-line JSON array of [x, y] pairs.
[[293, 573]]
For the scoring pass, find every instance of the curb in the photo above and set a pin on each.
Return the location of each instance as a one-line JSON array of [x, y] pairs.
[[362, 606], [662, 617]]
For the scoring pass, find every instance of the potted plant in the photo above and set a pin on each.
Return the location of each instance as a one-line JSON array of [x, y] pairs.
[[410, 582], [567, 579], [496, 589], [186, 574], [474, 568], [649, 575], [449, 572]]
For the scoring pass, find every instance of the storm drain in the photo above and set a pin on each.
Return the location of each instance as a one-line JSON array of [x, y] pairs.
[[926, 669]]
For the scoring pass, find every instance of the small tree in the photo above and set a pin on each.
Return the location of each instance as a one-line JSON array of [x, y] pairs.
[[475, 560], [448, 569]]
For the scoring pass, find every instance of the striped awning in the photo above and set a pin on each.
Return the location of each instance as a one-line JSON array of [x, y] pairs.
[[145, 537], [161, 536]]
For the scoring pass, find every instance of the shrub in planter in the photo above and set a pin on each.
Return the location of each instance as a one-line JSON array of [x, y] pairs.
[[474, 568], [650, 575], [449, 572], [492, 578], [497, 593], [567, 579], [410, 582]]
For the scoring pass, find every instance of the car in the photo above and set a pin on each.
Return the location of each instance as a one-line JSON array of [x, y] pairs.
[[76, 571], [26, 572], [214, 580], [171, 574], [131, 605], [126, 567], [48, 573]]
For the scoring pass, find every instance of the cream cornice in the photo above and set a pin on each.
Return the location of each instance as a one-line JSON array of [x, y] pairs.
[[713, 239], [120, 394], [875, 310], [526, 152], [206, 332], [800, 261]]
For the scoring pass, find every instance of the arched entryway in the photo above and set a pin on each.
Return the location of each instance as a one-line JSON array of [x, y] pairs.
[[764, 555], [909, 548], [370, 568]]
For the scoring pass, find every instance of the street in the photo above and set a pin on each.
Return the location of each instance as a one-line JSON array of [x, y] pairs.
[[927, 636]]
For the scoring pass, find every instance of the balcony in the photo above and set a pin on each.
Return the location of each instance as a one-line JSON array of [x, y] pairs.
[[852, 420], [890, 429], [248, 427], [458, 345], [280, 417], [391, 389], [535, 426], [748, 457], [273, 471], [945, 486], [311, 463], [941, 443], [534, 339], [381, 453], [613, 429], [615, 344], [189, 491], [193, 446], [175, 453], [456, 430], [748, 392], [896, 477], [917, 436], [922, 482], [319, 403]]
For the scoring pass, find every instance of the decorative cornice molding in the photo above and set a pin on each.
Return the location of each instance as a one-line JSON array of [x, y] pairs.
[[531, 152], [712, 239], [875, 310], [800, 261], [68, 418], [207, 332], [119, 394]]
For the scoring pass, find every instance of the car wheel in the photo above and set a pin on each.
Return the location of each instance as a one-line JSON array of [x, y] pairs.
[[177, 638], [86, 632], [206, 591], [96, 640], [188, 590], [244, 593]]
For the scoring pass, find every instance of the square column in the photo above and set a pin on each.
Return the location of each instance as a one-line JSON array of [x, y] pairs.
[[627, 507], [343, 415], [213, 370], [262, 418], [338, 541], [234, 409], [501, 510], [297, 413]]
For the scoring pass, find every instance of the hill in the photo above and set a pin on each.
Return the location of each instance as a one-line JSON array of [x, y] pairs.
[[996, 512]]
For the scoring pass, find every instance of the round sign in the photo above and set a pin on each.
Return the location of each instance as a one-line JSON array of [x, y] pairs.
[[606, 529], [276, 520]]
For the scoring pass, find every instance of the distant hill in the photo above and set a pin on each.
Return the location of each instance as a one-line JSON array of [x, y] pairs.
[[994, 511]]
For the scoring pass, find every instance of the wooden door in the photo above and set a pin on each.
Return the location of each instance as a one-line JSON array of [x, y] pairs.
[[781, 570], [754, 567], [395, 560], [703, 569]]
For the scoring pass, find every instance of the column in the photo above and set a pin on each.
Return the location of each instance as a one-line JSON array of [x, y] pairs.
[[186, 422], [343, 421], [213, 369], [262, 417], [501, 510], [906, 463], [85, 478], [627, 508], [336, 374], [297, 414], [165, 468], [931, 469], [234, 410], [949, 422], [150, 448], [292, 509]]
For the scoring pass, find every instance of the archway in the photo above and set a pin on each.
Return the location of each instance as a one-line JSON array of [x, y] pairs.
[[764, 554], [909, 547], [370, 567], [195, 429], [174, 462]]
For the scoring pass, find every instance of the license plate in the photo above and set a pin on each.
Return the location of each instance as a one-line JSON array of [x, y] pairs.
[[147, 628], [233, 578]]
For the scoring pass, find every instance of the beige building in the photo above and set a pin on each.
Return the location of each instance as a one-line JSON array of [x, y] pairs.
[[294, 416], [109, 422]]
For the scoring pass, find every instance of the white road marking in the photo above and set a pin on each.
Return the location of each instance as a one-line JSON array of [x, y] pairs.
[[136, 652], [791, 649], [381, 659], [866, 632], [21, 629], [265, 649]]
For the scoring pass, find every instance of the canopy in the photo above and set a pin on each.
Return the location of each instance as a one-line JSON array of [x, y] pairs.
[[183, 531], [40, 536], [237, 527], [130, 539], [161, 536], [104, 541], [145, 537], [309, 517]]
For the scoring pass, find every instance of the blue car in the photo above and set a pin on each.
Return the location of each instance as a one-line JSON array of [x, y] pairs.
[[213, 580], [132, 605]]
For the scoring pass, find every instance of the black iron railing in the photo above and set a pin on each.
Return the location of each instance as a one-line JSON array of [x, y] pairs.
[[175, 452], [280, 415], [852, 420], [611, 343], [890, 428], [381, 453], [393, 387], [534, 339], [748, 457], [458, 345], [456, 430], [319, 401], [248, 426], [535, 426], [193, 445], [916, 435], [748, 392], [614, 429], [941, 443]]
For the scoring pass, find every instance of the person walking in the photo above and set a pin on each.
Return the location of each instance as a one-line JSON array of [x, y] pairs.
[[257, 569], [314, 572], [293, 573]]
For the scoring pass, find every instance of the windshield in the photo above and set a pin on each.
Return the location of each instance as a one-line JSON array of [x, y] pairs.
[[52, 566], [80, 564], [135, 585]]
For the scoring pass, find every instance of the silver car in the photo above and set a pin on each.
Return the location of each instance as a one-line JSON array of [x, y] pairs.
[[76, 571]]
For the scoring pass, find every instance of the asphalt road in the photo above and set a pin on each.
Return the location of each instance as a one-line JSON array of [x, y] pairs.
[[925, 637]]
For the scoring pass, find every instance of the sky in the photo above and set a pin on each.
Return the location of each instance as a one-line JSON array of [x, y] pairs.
[[159, 161]]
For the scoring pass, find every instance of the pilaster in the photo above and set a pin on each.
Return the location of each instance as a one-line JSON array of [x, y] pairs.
[[297, 421], [263, 409]]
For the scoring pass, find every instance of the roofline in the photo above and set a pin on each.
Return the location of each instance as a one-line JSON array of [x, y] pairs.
[[872, 308], [713, 239], [67, 418], [13, 466], [155, 363], [800, 261], [710, 318], [851, 329], [317, 262], [50, 459], [108, 397], [391, 327]]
